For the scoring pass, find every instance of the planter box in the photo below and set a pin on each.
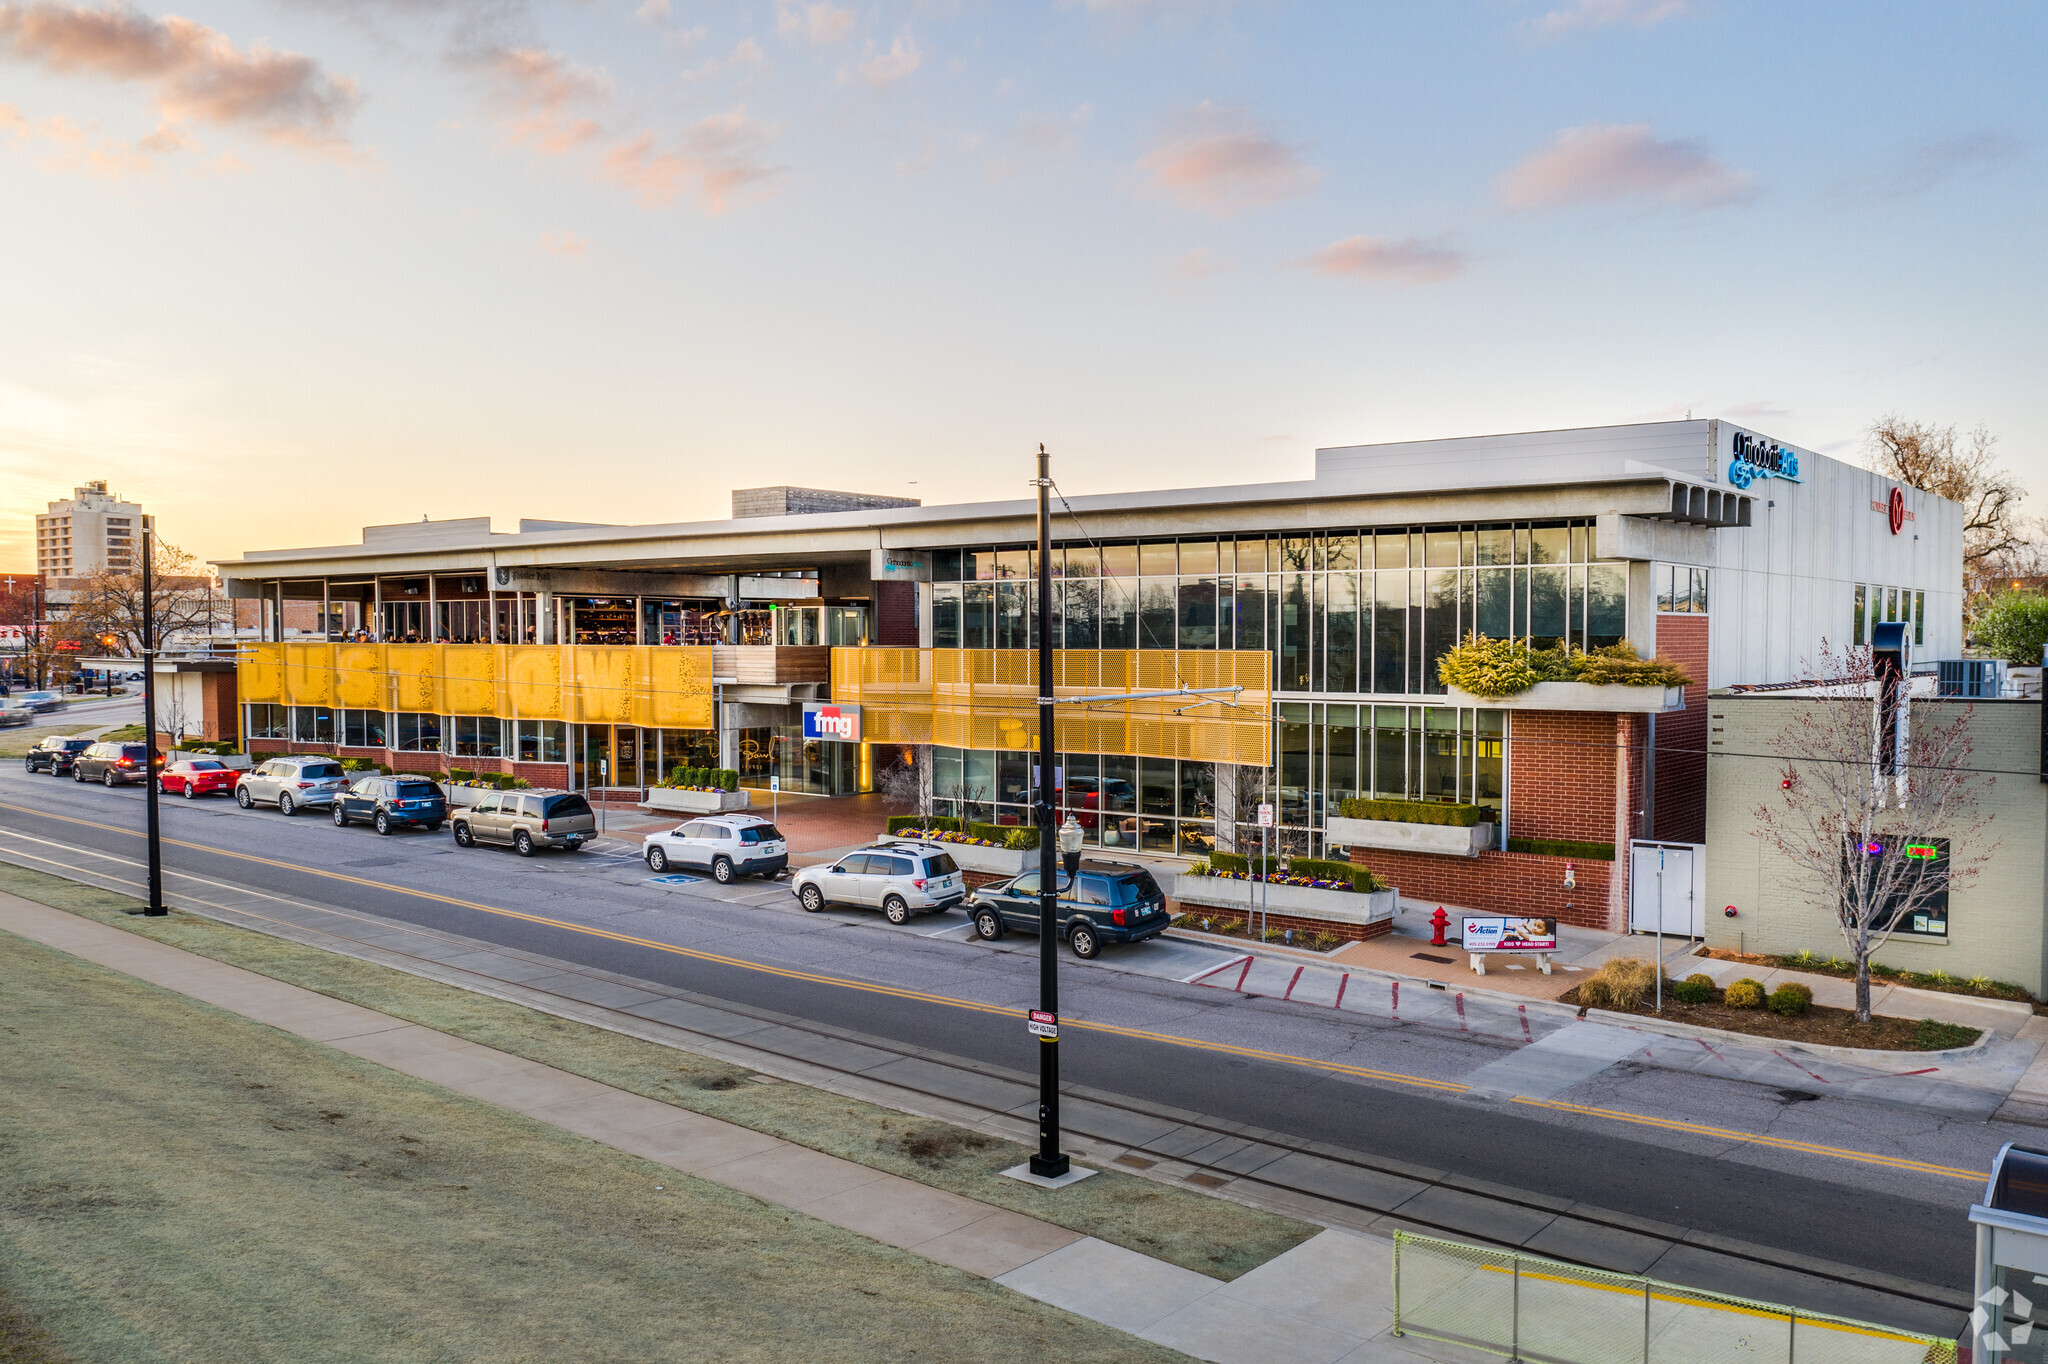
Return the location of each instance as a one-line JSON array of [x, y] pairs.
[[1445, 840], [1582, 696], [462, 797], [989, 861], [1331, 906], [695, 802]]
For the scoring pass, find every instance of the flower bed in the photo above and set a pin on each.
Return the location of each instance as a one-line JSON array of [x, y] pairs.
[[1982, 987], [696, 800], [973, 854]]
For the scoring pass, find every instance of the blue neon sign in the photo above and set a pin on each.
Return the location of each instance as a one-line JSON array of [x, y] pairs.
[[1757, 458]]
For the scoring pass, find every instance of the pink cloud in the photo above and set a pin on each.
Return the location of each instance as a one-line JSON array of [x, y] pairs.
[[195, 74], [713, 158], [1383, 260], [1216, 161], [879, 70], [538, 95], [821, 23], [1605, 162], [1200, 263]]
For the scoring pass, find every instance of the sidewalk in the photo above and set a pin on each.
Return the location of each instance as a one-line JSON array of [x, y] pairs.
[[1328, 1299]]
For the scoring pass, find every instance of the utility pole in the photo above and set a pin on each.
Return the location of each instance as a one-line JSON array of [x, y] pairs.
[[1050, 1162], [154, 908]]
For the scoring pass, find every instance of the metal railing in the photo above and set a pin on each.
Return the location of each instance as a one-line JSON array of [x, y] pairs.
[[1524, 1307]]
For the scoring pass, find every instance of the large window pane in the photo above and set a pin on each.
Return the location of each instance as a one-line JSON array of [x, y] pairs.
[[1295, 553], [1549, 545], [1341, 647], [1546, 607], [945, 565], [1197, 790], [1496, 545], [1442, 548], [1391, 750], [1119, 800], [977, 781], [1340, 757], [1296, 612], [1158, 797], [1013, 777], [1251, 556], [1119, 614], [1012, 627], [1492, 614], [1440, 754], [1489, 764], [1197, 613], [1155, 613], [1390, 549], [977, 611], [1083, 561], [1295, 735], [946, 615], [946, 772], [1441, 623], [1606, 604], [1390, 632], [1197, 558], [1119, 561], [1159, 561], [1084, 612], [1251, 612]]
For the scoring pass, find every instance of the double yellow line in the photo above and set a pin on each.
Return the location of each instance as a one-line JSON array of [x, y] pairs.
[[1110, 1029]]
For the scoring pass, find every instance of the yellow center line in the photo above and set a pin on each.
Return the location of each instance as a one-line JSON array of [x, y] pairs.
[[1110, 1029]]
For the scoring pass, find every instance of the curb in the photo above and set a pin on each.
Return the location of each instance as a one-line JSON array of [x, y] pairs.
[[1671, 1028]]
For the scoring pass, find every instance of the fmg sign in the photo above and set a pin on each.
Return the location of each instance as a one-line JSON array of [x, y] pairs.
[[824, 720]]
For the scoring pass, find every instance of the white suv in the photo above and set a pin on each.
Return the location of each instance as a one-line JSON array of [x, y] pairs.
[[731, 846], [900, 879]]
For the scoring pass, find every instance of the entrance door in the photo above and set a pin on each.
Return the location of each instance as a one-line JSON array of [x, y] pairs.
[[1663, 888]]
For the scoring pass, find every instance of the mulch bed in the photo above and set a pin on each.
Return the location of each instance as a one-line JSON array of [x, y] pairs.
[[1818, 1026]]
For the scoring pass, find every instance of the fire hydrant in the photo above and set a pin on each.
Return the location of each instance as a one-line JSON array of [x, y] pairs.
[[1437, 923]]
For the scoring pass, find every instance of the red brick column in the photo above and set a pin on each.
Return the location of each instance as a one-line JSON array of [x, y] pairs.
[[1680, 814]]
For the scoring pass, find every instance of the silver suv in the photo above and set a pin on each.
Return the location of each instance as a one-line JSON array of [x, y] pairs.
[[527, 820], [302, 781], [731, 846], [900, 879]]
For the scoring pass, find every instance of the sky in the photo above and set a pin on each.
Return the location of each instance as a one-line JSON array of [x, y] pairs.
[[279, 270]]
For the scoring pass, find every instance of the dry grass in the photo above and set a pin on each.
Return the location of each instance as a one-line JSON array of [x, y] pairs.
[[1622, 983], [177, 1183], [1209, 1235]]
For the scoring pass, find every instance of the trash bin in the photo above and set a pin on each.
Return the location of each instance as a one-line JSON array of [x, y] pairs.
[[2009, 1320]]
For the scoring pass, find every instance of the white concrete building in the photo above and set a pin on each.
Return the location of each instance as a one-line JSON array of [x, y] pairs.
[[92, 530]]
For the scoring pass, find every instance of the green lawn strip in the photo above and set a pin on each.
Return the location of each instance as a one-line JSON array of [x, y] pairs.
[[179, 1183], [1209, 1235]]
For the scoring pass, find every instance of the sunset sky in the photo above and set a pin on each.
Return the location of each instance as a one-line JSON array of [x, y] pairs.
[[279, 269]]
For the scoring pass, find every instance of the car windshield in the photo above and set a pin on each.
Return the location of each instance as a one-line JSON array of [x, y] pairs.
[[1136, 888], [760, 833], [940, 864], [561, 807], [416, 790], [206, 765], [319, 771], [133, 752]]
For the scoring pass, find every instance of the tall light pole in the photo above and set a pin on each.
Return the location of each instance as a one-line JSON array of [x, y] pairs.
[[155, 906], [1050, 1162]]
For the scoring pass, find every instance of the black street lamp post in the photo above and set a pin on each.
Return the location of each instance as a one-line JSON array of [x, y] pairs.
[[155, 906], [1050, 1162]]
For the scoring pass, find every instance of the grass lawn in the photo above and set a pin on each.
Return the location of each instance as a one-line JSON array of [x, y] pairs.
[[177, 1183], [1210, 1235], [17, 741]]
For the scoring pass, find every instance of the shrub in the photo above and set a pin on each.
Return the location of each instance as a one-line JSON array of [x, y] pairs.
[[1559, 847], [1508, 667], [461, 774], [898, 823], [1417, 812], [1229, 861], [1622, 983], [1016, 836], [1696, 988], [1744, 994], [2013, 626], [1791, 999]]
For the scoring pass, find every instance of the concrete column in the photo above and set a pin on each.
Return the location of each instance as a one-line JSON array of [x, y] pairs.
[[728, 734], [326, 606], [544, 617], [377, 608], [433, 630], [640, 620], [1226, 807]]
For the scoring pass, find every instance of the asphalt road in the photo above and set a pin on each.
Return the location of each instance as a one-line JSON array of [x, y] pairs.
[[753, 947]]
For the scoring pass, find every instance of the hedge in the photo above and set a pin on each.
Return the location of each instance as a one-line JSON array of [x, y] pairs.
[[1417, 812], [722, 778], [1320, 868], [1561, 847], [1006, 835], [945, 823]]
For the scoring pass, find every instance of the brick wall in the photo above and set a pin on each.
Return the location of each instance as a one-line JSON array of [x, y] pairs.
[[896, 614], [1500, 883], [1680, 810], [1561, 775]]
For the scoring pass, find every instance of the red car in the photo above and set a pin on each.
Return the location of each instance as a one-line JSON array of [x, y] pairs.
[[197, 777]]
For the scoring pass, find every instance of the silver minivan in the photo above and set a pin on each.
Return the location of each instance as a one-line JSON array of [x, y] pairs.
[[900, 879], [292, 784], [527, 820], [731, 846]]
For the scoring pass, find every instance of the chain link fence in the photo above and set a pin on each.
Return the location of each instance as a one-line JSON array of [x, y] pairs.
[[1523, 1307]]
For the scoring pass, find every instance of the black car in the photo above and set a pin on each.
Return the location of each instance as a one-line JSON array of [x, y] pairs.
[[1107, 902], [54, 755], [388, 802], [113, 764]]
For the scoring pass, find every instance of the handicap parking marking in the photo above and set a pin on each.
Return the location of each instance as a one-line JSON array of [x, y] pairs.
[[674, 878]]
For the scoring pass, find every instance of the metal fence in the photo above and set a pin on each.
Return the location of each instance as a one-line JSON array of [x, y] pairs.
[[1523, 1307]]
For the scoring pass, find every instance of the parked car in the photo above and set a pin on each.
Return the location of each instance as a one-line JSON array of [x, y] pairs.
[[54, 754], [114, 764], [388, 802], [15, 712], [527, 820], [729, 846], [196, 777], [900, 879], [1108, 902], [302, 781]]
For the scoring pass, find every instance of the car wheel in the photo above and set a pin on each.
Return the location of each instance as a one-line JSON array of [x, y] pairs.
[[988, 925], [721, 871], [522, 843], [191, 791], [895, 910], [286, 806], [463, 837], [109, 780], [811, 898], [77, 775], [242, 797], [434, 827], [657, 861], [574, 845], [1084, 942], [340, 816], [382, 822]]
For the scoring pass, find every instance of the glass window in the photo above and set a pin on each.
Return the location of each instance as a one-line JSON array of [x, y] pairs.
[[1013, 601], [1547, 607], [1156, 560], [1857, 633], [1493, 591], [978, 781], [1197, 557], [946, 772], [1341, 644], [1155, 613], [1549, 545], [543, 741], [945, 565], [312, 725], [1250, 604], [1440, 622], [1292, 749], [1699, 590], [1197, 790], [1197, 613], [1296, 615], [1013, 779], [1390, 632], [479, 736], [1440, 754], [1891, 604], [1081, 561], [1390, 549], [1606, 604], [1919, 618], [362, 728], [1496, 545], [1016, 564], [1341, 551], [1666, 594], [1119, 613], [1119, 561], [977, 609], [1083, 612], [1489, 763], [417, 733], [1578, 542], [1251, 556], [1340, 757], [946, 616], [1441, 548], [1117, 798], [266, 722]]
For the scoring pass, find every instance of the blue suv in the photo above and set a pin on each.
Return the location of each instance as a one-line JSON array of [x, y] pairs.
[[1107, 902]]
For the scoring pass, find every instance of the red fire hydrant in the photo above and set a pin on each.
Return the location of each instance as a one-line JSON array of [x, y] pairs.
[[1438, 922]]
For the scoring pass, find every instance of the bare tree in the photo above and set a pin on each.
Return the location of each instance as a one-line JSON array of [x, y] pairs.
[[1965, 471], [907, 784], [1870, 818], [108, 603]]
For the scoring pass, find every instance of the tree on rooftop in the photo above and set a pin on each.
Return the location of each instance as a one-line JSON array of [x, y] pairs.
[[1966, 471]]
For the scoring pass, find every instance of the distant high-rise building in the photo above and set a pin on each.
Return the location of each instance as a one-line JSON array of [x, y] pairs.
[[92, 531]]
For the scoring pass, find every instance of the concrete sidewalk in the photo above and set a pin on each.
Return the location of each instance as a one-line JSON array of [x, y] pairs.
[[1328, 1299]]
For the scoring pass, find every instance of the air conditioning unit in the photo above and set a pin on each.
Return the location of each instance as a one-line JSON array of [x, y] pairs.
[[1970, 679]]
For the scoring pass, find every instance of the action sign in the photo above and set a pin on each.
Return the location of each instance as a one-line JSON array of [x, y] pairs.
[[1510, 935], [1265, 816], [1041, 1024], [823, 720]]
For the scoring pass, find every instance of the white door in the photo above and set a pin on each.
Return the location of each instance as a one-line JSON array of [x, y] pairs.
[[1663, 890]]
